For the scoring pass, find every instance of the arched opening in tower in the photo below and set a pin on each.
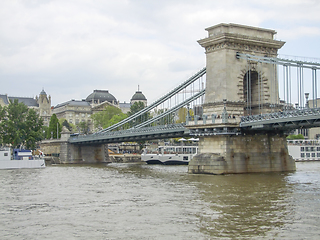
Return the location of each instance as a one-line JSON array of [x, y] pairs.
[[251, 92]]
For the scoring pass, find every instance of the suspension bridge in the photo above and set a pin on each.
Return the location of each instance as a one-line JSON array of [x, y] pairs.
[[246, 89], [283, 115]]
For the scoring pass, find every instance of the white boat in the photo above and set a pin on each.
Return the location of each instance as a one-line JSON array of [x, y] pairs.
[[20, 159], [170, 155], [304, 150]]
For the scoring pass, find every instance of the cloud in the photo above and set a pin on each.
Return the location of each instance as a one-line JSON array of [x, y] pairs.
[[297, 32], [73, 47]]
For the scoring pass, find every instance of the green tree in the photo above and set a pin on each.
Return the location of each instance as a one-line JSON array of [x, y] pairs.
[[2, 117], [115, 119], [20, 125], [83, 127], [292, 137], [55, 128], [136, 107], [182, 114], [64, 123], [109, 116], [168, 119]]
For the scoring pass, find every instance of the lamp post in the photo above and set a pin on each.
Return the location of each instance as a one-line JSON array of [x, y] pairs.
[[307, 97], [224, 112]]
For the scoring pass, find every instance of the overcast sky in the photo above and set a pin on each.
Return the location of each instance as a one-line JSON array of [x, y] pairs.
[[71, 47]]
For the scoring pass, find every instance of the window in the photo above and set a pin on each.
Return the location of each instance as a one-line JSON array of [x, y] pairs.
[[307, 155], [77, 121], [70, 120], [312, 149], [302, 155], [307, 149], [302, 149], [318, 148], [318, 154], [313, 155]]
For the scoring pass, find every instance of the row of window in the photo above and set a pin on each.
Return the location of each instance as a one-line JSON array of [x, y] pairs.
[[77, 121], [309, 149], [309, 154], [77, 115]]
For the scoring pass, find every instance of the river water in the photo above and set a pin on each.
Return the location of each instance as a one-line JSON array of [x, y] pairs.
[[137, 201]]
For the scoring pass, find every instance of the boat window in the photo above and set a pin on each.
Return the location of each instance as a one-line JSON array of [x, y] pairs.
[[185, 157], [302, 155], [307, 149], [318, 154], [302, 149], [307, 154], [312, 149], [318, 148], [313, 155]]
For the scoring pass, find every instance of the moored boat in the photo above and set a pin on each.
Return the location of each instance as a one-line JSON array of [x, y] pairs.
[[304, 150], [20, 159], [170, 155]]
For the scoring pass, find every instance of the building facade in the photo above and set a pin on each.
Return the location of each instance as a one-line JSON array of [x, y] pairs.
[[41, 104], [76, 111]]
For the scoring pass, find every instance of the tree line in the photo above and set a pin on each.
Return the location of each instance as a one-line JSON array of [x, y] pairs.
[[21, 126]]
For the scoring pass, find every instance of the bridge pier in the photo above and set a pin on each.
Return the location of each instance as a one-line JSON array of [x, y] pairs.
[[236, 87], [250, 153], [87, 153]]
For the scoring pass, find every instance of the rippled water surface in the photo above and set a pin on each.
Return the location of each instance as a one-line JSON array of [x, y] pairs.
[[137, 201]]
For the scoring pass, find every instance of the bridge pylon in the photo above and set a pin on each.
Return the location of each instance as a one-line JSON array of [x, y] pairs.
[[235, 88]]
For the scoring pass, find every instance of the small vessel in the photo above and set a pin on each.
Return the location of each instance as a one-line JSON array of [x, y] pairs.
[[21, 159], [304, 150], [169, 155]]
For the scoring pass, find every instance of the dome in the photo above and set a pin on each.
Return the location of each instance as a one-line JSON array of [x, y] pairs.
[[99, 96], [138, 96], [43, 92]]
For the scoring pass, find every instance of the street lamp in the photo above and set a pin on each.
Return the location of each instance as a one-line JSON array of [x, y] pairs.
[[307, 97]]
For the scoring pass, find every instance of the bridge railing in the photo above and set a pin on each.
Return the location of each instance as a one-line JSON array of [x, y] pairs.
[[281, 115], [130, 132]]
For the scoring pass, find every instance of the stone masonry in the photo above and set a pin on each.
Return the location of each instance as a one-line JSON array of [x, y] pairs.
[[228, 90], [226, 154]]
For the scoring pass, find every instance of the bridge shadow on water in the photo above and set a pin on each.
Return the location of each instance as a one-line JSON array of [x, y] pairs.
[[245, 206]]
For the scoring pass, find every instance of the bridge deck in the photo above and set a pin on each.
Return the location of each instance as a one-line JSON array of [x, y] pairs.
[[131, 135]]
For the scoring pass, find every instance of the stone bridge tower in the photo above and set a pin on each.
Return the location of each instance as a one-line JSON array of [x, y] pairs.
[[240, 83], [239, 87]]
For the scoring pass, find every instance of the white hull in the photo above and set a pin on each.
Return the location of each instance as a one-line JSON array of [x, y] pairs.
[[167, 159], [13, 164], [170, 155], [304, 150], [27, 160]]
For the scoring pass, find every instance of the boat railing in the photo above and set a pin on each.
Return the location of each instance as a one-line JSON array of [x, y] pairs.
[[306, 142]]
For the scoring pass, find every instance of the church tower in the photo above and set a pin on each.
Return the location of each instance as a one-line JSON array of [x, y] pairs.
[[44, 107], [138, 97]]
